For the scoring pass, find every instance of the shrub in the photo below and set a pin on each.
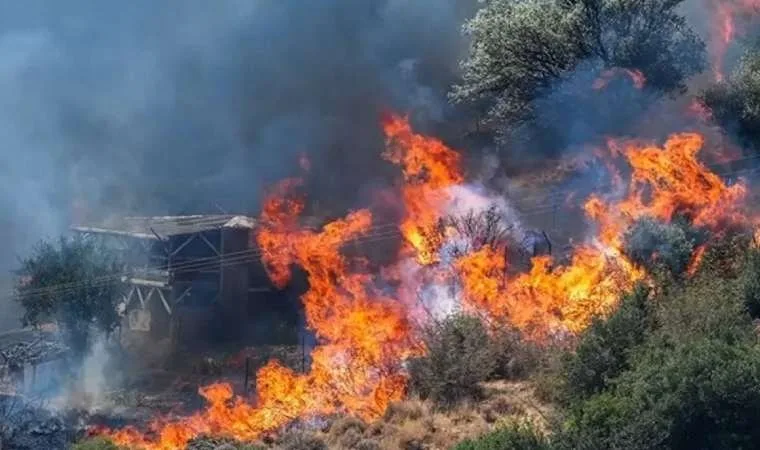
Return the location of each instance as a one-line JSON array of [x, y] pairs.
[[605, 347], [750, 283], [513, 436], [708, 306], [95, 444], [660, 248], [459, 357], [301, 440], [514, 358], [205, 442], [704, 394]]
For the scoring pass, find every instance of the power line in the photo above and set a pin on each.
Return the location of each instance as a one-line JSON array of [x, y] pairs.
[[380, 233]]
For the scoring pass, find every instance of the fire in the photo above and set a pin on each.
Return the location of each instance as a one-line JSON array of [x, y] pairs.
[[429, 168], [636, 76], [365, 333], [724, 28], [549, 298], [363, 336]]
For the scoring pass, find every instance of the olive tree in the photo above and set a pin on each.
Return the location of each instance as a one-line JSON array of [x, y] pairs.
[[73, 282], [521, 49]]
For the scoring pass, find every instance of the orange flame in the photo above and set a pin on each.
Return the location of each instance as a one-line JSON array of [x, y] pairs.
[[365, 335], [664, 182], [363, 338], [429, 168], [637, 77]]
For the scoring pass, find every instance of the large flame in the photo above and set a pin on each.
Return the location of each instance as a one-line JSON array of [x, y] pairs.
[[365, 334], [429, 167], [663, 182]]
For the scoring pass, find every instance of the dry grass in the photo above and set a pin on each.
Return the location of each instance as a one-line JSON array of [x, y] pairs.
[[417, 425]]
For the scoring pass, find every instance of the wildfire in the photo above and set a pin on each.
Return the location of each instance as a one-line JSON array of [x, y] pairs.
[[429, 168], [365, 334], [663, 182]]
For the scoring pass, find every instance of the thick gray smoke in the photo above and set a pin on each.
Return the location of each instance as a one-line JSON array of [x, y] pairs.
[[152, 107]]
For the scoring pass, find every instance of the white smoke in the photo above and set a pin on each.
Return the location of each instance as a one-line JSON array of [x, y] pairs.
[[89, 387]]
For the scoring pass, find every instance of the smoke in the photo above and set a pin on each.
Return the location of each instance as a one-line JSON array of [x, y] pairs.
[[146, 108], [89, 386]]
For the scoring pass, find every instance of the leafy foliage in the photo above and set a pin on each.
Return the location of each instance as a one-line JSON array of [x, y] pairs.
[[75, 283], [750, 283], [520, 49], [689, 379], [735, 104], [95, 444], [605, 348], [513, 436], [705, 394], [660, 248]]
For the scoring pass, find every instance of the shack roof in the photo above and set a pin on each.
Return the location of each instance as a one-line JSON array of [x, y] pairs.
[[162, 227]]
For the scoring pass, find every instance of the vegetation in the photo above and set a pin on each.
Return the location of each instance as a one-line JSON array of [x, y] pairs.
[[513, 436], [462, 353], [95, 444], [735, 104], [459, 356], [73, 282], [521, 50]]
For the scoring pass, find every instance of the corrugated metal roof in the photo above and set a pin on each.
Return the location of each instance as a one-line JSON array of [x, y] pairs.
[[165, 226]]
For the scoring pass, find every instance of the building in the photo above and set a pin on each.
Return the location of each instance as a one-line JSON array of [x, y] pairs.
[[193, 278]]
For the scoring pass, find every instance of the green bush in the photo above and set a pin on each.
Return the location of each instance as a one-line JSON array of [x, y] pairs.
[[513, 436], [703, 395], [459, 356], [707, 307], [750, 283], [605, 347], [95, 444], [662, 249]]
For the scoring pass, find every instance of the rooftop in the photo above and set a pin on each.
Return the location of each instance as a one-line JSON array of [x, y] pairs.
[[162, 227]]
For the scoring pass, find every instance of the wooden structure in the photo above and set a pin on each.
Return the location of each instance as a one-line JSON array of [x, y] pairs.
[[187, 273]]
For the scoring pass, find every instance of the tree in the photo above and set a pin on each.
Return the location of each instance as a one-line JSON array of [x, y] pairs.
[[521, 49], [73, 282], [735, 104]]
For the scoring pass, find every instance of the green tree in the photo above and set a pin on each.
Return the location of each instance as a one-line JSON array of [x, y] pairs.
[[735, 104], [520, 49], [73, 282]]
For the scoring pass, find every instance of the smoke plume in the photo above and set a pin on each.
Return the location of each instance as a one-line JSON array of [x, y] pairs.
[[147, 108]]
